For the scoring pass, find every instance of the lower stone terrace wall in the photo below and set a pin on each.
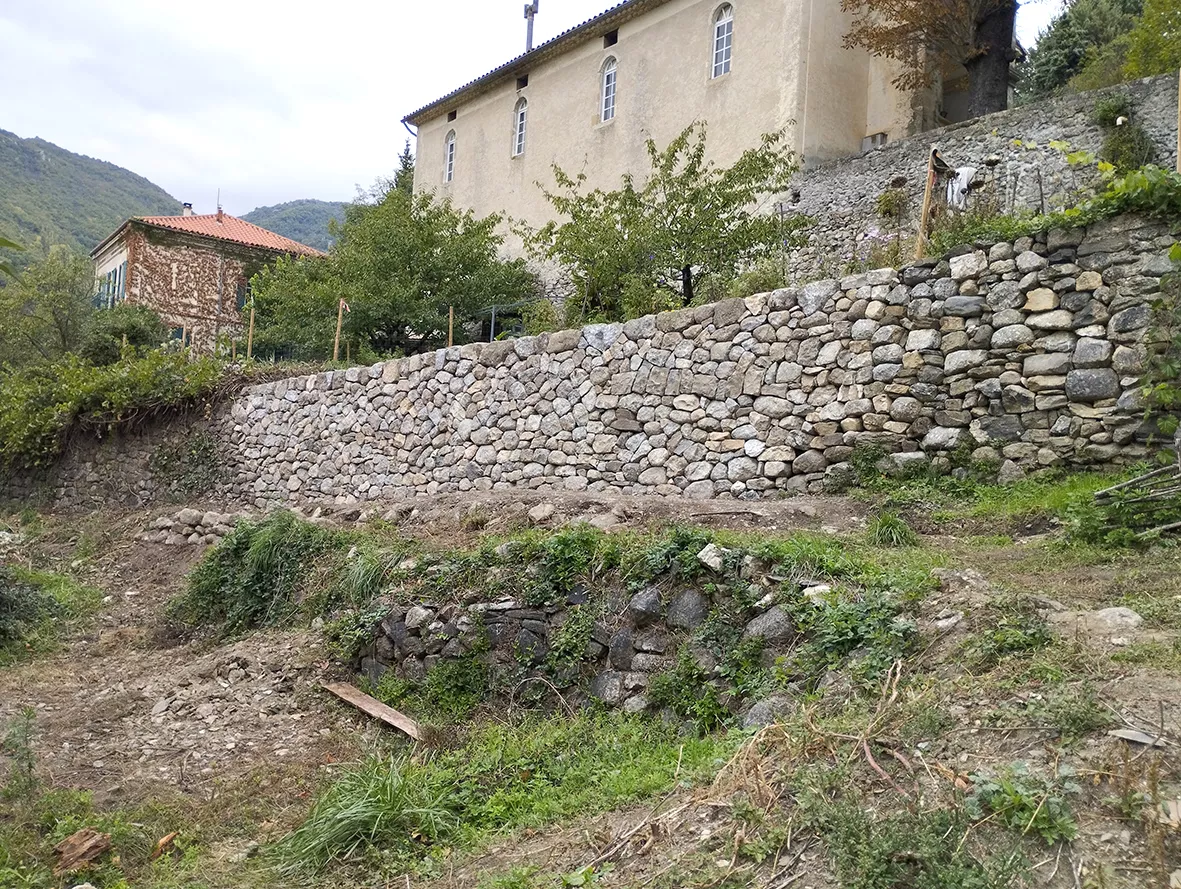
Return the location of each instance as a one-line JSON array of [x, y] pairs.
[[1027, 355], [841, 196]]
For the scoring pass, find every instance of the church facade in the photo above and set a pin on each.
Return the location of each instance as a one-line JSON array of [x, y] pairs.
[[589, 99]]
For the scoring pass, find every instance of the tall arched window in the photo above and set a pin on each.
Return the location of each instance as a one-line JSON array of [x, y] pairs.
[[723, 40], [610, 82], [449, 157], [520, 118]]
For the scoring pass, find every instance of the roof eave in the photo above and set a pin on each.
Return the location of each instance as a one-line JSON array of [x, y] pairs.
[[564, 42]]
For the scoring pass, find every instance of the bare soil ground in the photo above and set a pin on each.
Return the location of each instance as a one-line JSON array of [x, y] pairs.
[[132, 708]]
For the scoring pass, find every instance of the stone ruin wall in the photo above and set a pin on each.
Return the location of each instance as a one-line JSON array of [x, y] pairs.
[[841, 196], [1028, 355]]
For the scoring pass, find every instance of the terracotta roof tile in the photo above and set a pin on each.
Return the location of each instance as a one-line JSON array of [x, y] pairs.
[[232, 229]]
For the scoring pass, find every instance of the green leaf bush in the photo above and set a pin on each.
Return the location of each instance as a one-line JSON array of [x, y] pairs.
[[41, 406]]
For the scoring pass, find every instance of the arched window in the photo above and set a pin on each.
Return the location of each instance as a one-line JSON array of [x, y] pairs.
[[610, 82], [449, 158], [723, 40], [520, 118]]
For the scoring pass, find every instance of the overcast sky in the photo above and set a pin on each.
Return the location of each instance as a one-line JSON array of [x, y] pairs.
[[268, 100]]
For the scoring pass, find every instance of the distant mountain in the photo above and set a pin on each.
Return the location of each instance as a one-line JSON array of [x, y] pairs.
[[303, 221], [58, 197]]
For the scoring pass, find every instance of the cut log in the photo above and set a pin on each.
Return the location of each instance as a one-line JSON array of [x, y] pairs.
[[375, 708], [80, 850]]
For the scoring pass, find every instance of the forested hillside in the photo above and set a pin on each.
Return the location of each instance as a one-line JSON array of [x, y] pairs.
[[53, 196], [303, 221]]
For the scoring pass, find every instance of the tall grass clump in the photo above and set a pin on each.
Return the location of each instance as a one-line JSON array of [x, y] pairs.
[[387, 813], [252, 578], [35, 608], [383, 803], [888, 529]]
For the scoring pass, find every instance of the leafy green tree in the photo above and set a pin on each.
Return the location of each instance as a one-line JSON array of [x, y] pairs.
[[400, 263], [1076, 38], [1155, 42], [44, 313], [681, 236], [404, 176], [6, 267], [137, 326]]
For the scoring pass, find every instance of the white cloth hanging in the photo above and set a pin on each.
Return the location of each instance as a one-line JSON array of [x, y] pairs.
[[959, 186]]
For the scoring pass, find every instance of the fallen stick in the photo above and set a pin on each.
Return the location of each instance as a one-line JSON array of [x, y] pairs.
[[375, 708]]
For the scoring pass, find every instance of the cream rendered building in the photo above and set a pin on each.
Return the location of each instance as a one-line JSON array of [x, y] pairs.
[[588, 99]]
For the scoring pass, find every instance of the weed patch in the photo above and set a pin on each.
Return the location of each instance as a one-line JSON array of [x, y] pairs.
[[36, 608], [1019, 800], [388, 814], [251, 578]]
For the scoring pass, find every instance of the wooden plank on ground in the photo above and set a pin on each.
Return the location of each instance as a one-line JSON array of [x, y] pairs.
[[375, 708]]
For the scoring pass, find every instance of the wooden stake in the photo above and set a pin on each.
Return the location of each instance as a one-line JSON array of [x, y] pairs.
[[451, 327], [339, 322], [250, 336], [1179, 122], [921, 247], [348, 351]]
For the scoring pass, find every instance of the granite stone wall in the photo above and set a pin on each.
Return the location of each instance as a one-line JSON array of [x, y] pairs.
[[1026, 355], [841, 196]]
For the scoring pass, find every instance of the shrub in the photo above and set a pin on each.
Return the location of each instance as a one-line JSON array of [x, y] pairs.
[[1110, 109], [685, 690], [250, 579], [893, 203], [138, 326], [765, 276], [41, 406], [572, 555]]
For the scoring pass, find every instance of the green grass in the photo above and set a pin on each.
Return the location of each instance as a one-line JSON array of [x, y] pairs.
[[37, 609], [388, 814]]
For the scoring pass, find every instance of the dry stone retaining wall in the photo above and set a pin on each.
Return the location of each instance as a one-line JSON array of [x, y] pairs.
[[841, 196], [1025, 355], [1028, 354]]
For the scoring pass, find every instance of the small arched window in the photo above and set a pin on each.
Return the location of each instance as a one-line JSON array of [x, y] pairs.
[[520, 119], [723, 40], [449, 157], [610, 82]]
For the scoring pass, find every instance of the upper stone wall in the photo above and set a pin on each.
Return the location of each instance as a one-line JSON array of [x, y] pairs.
[[841, 196], [1026, 356], [1029, 354]]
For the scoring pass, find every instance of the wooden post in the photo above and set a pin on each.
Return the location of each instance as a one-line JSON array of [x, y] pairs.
[[250, 336], [1179, 122], [339, 322], [348, 351], [451, 327], [921, 248]]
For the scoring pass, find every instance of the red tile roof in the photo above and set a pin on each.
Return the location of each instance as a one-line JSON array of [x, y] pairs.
[[230, 228]]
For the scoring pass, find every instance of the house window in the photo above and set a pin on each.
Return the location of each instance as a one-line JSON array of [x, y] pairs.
[[520, 117], [522, 81], [723, 40], [244, 293], [610, 79], [449, 158], [611, 38], [451, 115]]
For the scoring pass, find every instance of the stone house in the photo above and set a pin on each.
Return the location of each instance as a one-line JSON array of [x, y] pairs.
[[590, 98], [192, 270]]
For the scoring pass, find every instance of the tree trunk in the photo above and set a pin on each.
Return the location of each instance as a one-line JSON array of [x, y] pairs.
[[988, 73], [687, 285]]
